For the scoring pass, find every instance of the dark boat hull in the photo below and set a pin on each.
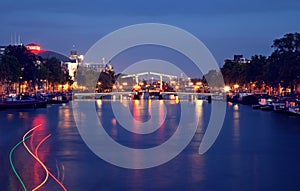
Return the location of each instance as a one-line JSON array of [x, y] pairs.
[[23, 104], [57, 101]]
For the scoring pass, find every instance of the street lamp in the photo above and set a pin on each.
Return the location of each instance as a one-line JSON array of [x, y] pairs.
[[20, 85]]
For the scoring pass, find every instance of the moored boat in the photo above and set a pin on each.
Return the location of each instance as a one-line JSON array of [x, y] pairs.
[[279, 107], [17, 101], [21, 104], [294, 110], [294, 107], [265, 104]]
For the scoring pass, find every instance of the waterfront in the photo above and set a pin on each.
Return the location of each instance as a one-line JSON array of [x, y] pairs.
[[256, 150]]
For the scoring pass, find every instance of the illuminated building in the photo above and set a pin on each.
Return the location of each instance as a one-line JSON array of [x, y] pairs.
[[238, 59], [34, 48], [98, 67], [2, 49], [69, 63]]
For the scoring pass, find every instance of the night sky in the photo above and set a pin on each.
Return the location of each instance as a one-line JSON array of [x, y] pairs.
[[226, 27]]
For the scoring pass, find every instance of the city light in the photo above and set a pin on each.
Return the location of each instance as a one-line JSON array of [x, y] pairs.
[[227, 88]]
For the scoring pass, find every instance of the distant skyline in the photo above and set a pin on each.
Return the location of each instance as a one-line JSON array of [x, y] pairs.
[[226, 27]]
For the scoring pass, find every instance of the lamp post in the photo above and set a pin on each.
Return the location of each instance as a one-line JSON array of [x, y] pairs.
[[20, 85], [20, 81]]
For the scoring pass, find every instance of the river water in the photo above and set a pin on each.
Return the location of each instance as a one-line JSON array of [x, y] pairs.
[[255, 150]]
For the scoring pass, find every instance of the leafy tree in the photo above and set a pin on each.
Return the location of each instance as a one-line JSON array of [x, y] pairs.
[[87, 78], [256, 69], [286, 57], [4, 69], [28, 61], [213, 78], [234, 72], [9, 70], [55, 72], [107, 79]]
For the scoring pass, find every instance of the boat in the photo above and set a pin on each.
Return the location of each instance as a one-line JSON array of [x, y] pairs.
[[256, 106], [294, 110], [279, 107], [247, 99], [56, 98], [22, 104], [265, 104], [294, 107]]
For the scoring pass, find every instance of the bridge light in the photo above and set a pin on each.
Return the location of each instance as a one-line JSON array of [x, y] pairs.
[[199, 83], [236, 86], [226, 88]]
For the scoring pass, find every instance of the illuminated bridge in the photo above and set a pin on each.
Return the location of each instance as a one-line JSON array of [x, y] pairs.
[[162, 95]]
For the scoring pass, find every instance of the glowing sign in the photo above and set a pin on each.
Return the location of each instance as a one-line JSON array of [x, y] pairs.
[[34, 48]]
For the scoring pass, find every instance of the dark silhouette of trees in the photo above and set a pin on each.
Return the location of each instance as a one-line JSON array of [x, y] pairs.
[[18, 65], [54, 71], [286, 56], [10, 69], [234, 72], [107, 79], [281, 67]]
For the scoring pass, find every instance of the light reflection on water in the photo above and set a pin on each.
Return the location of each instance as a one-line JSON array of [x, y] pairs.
[[255, 150]]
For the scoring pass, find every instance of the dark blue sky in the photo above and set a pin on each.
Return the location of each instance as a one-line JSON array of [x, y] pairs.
[[226, 27]]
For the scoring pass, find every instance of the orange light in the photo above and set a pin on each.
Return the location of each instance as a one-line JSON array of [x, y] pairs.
[[226, 88], [33, 48], [36, 158], [36, 154]]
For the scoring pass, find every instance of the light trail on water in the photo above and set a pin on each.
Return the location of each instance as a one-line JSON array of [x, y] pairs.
[[36, 158], [12, 165], [36, 154]]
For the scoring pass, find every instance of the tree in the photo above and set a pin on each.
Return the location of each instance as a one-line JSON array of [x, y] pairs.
[[234, 72], [256, 69], [286, 55], [28, 61], [214, 79], [4, 70], [56, 75], [107, 79], [87, 78]]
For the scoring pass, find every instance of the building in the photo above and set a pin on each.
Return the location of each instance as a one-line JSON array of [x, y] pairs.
[[72, 64], [98, 67], [69, 63], [2, 49], [34, 48], [238, 58]]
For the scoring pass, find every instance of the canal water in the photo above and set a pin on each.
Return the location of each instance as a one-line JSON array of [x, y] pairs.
[[255, 150]]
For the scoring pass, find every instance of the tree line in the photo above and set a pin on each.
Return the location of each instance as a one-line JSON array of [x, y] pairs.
[[18, 65], [282, 67]]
